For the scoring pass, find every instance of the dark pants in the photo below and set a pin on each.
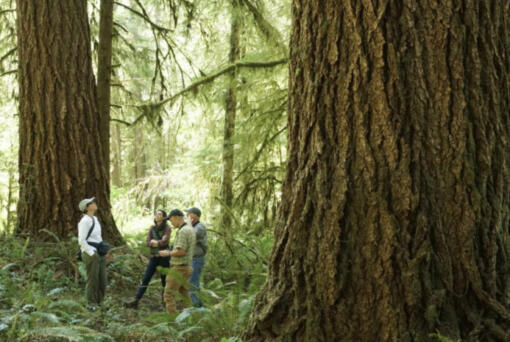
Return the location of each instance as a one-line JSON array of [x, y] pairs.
[[149, 272], [197, 264], [96, 277]]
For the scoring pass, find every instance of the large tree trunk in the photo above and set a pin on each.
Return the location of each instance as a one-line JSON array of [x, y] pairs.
[[230, 122], [61, 152], [104, 72], [394, 222]]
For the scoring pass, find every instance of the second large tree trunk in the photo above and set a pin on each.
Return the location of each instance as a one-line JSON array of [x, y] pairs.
[[394, 222], [61, 152]]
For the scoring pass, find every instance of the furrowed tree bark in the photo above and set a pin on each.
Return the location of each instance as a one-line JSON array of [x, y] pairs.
[[394, 221], [230, 120], [61, 152], [104, 72]]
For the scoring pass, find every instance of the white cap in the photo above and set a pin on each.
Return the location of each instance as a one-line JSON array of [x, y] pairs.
[[83, 203]]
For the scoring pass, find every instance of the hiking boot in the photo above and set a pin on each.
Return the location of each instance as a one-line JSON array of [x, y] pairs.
[[132, 304]]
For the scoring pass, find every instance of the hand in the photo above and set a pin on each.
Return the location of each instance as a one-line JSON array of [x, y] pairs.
[[164, 253], [154, 243]]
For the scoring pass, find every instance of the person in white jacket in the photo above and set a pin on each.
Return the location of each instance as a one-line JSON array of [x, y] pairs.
[[89, 230]]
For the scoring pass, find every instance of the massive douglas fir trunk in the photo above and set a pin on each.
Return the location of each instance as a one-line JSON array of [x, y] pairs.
[[394, 222], [61, 152]]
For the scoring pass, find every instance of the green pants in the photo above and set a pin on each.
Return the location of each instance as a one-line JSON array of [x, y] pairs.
[[96, 277]]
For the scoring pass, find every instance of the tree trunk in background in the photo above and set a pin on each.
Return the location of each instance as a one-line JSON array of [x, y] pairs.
[[230, 119], [104, 72], [394, 222], [11, 172], [60, 153], [139, 143], [117, 157]]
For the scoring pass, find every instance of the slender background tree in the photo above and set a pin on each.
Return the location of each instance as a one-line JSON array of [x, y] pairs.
[[394, 222], [104, 72], [230, 119]]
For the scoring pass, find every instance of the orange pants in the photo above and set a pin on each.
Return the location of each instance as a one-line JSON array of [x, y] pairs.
[[177, 283]]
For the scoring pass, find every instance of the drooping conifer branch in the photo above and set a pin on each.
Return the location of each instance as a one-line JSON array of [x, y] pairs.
[[150, 107]]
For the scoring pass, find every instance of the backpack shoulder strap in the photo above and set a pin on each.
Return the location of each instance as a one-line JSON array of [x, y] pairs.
[[91, 228]]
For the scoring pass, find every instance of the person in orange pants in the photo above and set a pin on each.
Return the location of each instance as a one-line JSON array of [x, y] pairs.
[[177, 280]]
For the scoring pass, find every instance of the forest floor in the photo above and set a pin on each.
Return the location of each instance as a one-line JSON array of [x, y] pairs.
[[42, 296]]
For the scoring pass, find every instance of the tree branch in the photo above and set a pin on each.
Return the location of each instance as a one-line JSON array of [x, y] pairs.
[[10, 52], [7, 11], [259, 152], [121, 121], [223, 235], [120, 26], [128, 44], [144, 16], [150, 107], [268, 30], [8, 72], [213, 76]]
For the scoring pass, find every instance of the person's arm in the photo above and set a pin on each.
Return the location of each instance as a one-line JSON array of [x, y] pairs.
[[83, 229], [178, 252], [166, 252], [148, 240], [166, 236], [200, 231]]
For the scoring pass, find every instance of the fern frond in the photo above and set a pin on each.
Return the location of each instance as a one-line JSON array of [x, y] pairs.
[[72, 334]]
